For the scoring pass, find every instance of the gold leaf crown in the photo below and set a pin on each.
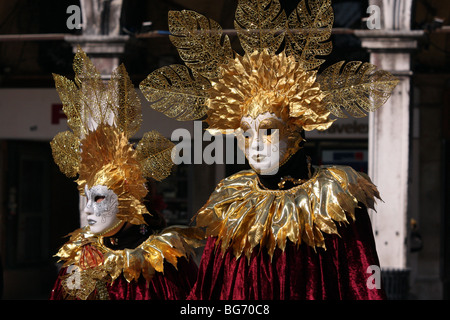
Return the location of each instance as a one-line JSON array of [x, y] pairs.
[[278, 72], [103, 117]]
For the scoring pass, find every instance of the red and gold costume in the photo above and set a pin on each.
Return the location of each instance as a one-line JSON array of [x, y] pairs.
[[136, 258], [310, 239]]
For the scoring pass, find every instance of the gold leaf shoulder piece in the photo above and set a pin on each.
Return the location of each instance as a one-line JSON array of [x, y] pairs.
[[169, 245], [153, 153], [242, 215], [204, 49], [174, 242], [358, 89], [175, 92], [309, 32], [260, 24]]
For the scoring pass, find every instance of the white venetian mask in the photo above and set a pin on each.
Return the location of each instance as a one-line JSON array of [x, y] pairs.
[[101, 209], [264, 144]]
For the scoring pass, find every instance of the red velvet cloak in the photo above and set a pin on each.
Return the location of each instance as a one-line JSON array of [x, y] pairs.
[[342, 271]]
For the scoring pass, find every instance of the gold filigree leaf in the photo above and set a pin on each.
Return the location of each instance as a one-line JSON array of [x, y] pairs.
[[199, 42], [65, 149], [68, 93], [309, 32], [260, 24], [358, 89], [153, 153], [92, 88], [177, 93], [121, 92]]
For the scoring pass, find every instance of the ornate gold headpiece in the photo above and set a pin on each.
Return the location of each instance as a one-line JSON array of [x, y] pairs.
[[103, 117], [225, 86]]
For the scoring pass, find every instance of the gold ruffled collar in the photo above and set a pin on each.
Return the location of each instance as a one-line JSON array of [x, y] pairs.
[[242, 215], [97, 265]]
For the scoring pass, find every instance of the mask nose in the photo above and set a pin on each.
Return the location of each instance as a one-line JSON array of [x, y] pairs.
[[88, 209], [257, 143]]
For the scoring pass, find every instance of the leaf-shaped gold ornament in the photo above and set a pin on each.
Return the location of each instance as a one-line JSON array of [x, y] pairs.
[[153, 153], [65, 150], [260, 24], [309, 32], [177, 93], [360, 88], [199, 42], [92, 89], [68, 93], [124, 102]]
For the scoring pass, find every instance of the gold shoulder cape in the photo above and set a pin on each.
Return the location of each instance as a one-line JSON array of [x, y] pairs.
[[243, 216], [96, 265]]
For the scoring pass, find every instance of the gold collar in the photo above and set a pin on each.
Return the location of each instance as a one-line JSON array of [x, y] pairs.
[[242, 215], [97, 264]]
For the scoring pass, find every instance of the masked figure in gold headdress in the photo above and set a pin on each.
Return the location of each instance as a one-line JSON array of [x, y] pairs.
[[122, 253], [285, 229]]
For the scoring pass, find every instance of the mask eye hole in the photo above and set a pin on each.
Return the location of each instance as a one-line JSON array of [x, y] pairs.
[[269, 132], [247, 135], [99, 199]]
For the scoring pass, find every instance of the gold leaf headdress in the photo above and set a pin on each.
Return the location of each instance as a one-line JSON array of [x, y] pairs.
[[278, 72], [103, 117]]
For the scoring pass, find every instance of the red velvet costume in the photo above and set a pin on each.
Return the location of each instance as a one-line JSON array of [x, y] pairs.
[[320, 262], [340, 272], [269, 240], [124, 247]]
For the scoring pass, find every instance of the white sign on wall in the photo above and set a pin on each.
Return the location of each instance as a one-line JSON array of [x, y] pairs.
[[343, 128]]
